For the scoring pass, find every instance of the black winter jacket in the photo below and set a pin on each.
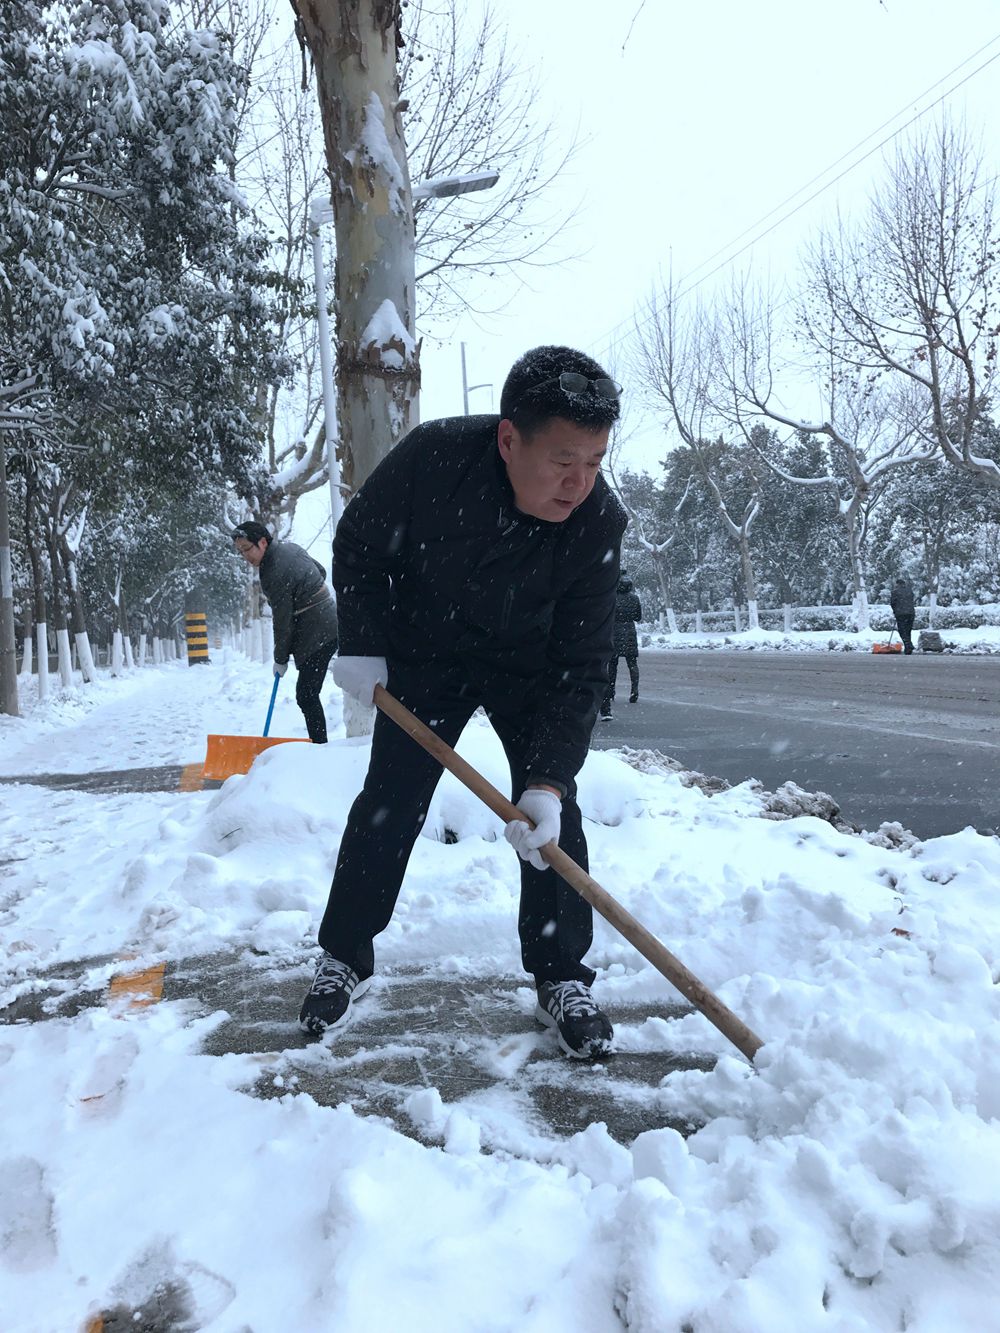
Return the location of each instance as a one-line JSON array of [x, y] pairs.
[[436, 570], [305, 618], [627, 611], [901, 598]]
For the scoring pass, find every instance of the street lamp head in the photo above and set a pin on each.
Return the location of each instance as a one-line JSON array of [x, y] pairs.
[[442, 187]]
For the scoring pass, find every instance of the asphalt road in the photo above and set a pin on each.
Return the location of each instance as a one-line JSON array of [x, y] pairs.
[[914, 739]]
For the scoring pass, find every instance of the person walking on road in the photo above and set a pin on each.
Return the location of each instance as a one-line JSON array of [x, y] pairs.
[[904, 609], [305, 617], [477, 566], [627, 611]]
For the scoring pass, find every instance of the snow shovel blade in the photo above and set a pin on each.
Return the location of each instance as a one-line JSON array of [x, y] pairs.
[[227, 755]]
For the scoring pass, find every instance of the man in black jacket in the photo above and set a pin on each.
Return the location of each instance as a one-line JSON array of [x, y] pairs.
[[304, 615], [626, 643], [477, 566], [904, 610]]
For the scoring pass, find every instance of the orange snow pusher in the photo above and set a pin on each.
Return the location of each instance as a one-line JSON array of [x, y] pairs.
[[227, 755], [888, 647]]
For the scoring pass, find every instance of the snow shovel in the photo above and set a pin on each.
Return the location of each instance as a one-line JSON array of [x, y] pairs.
[[888, 646], [731, 1027], [227, 755]]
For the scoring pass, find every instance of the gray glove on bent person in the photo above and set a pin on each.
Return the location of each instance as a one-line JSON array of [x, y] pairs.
[[280, 668], [544, 809], [358, 676]]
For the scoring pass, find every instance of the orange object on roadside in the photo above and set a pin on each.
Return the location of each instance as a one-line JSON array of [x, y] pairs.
[[888, 646], [227, 755]]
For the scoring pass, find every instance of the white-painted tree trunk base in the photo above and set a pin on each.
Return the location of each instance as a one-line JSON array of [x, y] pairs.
[[931, 609], [753, 619], [671, 620], [267, 639], [129, 658], [27, 657], [86, 658], [862, 612], [157, 651], [141, 657], [698, 623], [256, 642], [787, 617], [117, 656], [737, 620], [64, 653]]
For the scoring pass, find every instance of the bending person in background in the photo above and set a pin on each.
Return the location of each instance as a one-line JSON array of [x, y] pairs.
[[305, 617], [477, 566], [627, 612], [904, 609]]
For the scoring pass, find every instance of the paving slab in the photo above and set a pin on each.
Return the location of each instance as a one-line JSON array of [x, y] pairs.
[[473, 1038]]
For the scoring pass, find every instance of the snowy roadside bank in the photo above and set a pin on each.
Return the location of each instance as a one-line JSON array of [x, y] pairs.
[[847, 1184], [985, 640]]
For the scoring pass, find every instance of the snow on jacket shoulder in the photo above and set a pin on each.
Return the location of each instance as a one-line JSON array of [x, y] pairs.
[[435, 566], [305, 617]]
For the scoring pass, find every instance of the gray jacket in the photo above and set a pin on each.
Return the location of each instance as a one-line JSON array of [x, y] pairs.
[[305, 616]]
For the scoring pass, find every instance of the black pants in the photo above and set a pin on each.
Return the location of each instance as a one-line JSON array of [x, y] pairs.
[[905, 624], [555, 923], [632, 662], [312, 673]]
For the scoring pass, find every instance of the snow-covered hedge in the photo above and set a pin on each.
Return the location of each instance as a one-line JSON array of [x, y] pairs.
[[837, 618]]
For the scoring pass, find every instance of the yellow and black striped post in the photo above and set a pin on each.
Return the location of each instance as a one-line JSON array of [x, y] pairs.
[[196, 625]]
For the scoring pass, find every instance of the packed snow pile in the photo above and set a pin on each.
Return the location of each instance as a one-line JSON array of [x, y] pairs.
[[845, 1182]]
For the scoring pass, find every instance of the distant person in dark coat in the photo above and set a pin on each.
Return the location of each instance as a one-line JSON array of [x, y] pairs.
[[477, 567], [305, 617], [903, 608], [627, 612]]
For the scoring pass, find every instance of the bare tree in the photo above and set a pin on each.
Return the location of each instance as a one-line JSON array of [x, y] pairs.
[[469, 106], [677, 361], [657, 548], [870, 428], [910, 296]]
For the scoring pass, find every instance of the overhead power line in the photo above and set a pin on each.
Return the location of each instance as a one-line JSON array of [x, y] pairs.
[[686, 282]]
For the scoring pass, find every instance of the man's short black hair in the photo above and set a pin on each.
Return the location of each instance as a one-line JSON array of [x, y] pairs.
[[253, 532], [532, 394]]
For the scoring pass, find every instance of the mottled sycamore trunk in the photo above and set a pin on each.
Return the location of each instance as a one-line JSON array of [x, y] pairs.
[[354, 45]]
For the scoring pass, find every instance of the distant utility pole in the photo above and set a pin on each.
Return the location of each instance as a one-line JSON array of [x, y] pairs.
[[468, 388]]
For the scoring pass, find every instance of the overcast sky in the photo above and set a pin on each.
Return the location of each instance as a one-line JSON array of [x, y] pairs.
[[697, 120]]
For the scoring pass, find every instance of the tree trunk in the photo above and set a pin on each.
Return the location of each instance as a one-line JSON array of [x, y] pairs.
[[80, 636], [8, 651], [353, 46], [41, 616], [27, 647], [59, 620]]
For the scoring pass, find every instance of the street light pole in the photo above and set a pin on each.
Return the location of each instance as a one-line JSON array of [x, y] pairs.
[[320, 211], [468, 388]]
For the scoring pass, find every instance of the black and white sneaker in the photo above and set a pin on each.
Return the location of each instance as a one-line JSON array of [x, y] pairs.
[[328, 1003], [584, 1031]]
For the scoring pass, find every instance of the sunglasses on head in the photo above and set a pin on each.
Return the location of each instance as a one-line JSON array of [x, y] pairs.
[[576, 385]]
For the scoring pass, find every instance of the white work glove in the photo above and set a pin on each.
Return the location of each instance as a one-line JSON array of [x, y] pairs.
[[544, 809], [359, 676], [280, 668]]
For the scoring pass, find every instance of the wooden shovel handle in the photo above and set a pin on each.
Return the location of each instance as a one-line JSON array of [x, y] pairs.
[[623, 921]]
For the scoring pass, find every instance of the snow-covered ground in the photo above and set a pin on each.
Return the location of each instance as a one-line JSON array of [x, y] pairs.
[[847, 1183]]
